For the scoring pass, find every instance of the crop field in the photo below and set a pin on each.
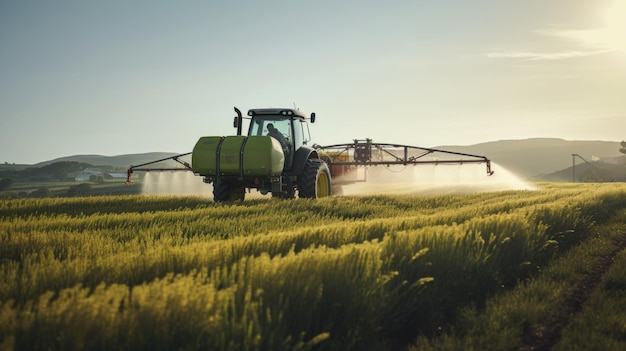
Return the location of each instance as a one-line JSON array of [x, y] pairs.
[[375, 272]]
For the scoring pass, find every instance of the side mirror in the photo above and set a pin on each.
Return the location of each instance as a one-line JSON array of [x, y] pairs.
[[313, 117], [236, 122]]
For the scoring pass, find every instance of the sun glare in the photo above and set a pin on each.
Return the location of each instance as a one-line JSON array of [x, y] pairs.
[[615, 30], [611, 37]]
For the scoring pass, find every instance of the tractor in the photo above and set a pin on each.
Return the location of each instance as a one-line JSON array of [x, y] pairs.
[[276, 156]]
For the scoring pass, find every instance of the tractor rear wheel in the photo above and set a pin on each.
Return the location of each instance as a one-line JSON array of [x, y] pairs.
[[228, 191], [314, 182]]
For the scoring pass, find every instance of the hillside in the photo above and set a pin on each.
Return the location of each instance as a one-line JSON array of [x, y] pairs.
[[532, 158], [597, 171]]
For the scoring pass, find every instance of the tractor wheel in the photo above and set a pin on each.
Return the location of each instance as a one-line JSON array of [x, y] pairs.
[[228, 191], [314, 182]]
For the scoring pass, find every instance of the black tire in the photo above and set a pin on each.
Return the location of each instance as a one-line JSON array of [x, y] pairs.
[[226, 191], [315, 181]]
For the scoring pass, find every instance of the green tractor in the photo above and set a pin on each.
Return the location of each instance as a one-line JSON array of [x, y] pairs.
[[274, 157]]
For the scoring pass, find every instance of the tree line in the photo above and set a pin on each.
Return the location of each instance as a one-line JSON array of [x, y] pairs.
[[57, 171]]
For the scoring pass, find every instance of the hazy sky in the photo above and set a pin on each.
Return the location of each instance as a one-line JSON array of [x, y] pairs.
[[117, 77]]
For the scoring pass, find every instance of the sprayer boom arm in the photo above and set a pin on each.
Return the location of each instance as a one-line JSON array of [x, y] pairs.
[[142, 167], [367, 153]]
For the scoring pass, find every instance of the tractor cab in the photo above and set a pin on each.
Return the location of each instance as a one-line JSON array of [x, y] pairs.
[[288, 126]]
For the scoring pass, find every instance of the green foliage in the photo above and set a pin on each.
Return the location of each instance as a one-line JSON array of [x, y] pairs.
[[157, 272], [82, 189], [5, 183], [601, 325], [41, 192], [96, 178], [510, 320], [56, 171]]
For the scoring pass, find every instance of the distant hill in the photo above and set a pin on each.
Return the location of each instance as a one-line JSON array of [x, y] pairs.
[[536, 158], [594, 171], [532, 158]]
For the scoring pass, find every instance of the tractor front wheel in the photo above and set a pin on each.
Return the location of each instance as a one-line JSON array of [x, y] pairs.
[[224, 191], [314, 182]]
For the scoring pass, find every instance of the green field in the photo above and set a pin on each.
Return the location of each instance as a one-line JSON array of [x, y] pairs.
[[135, 272]]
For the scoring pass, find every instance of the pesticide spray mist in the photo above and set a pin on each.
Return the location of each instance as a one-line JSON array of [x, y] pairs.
[[175, 183], [396, 180], [434, 179], [180, 183]]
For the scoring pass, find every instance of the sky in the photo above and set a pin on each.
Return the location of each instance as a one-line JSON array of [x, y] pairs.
[[133, 76]]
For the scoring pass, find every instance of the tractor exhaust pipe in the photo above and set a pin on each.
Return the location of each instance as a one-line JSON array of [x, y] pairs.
[[238, 121]]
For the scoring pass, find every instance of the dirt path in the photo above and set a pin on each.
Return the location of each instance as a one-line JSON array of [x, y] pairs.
[[548, 335]]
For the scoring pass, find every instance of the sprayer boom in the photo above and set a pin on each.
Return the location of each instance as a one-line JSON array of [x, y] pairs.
[[142, 167], [367, 153]]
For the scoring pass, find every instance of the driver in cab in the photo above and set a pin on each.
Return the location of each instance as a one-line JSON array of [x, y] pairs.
[[276, 134]]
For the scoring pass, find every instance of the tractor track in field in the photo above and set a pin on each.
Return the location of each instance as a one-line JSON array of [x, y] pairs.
[[545, 337]]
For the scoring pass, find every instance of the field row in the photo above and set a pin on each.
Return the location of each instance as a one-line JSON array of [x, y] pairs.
[[576, 303], [149, 272]]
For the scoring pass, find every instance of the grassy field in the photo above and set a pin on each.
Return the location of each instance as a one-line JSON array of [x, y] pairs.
[[138, 272], [538, 314]]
